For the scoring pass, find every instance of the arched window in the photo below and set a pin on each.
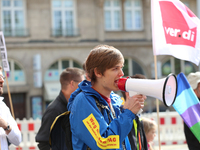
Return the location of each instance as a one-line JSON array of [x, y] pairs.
[[131, 67], [16, 74], [53, 73], [176, 66]]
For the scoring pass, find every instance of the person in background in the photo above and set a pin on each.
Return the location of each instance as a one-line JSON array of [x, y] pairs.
[[96, 120], [194, 81], [69, 80], [150, 131], [137, 136], [8, 126]]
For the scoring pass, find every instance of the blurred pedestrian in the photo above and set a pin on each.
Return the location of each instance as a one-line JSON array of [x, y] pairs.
[[69, 80], [8, 126], [150, 131]]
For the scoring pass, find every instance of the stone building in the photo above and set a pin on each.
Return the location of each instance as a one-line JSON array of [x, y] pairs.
[[45, 36]]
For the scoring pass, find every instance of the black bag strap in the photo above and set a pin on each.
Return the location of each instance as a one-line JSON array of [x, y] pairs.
[[64, 122], [101, 107], [140, 130]]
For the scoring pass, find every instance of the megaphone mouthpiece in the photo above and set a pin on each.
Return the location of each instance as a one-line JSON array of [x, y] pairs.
[[121, 84]]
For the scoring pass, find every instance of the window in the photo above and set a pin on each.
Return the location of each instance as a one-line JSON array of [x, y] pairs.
[[133, 15], [131, 67], [54, 71], [176, 66], [13, 17], [112, 15], [16, 75], [64, 20]]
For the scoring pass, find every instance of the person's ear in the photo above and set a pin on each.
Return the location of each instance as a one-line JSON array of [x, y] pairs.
[[97, 74], [197, 90], [198, 85], [71, 84]]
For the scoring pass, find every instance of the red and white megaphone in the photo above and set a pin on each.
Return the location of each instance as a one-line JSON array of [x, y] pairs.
[[163, 89]]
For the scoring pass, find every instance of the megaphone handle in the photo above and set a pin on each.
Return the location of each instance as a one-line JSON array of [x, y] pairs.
[[140, 111], [132, 93]]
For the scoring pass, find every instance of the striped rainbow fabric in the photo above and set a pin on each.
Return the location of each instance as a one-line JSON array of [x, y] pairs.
[[188, 105]]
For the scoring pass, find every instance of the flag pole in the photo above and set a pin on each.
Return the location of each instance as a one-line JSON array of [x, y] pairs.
[[157, 103], [10, 100]]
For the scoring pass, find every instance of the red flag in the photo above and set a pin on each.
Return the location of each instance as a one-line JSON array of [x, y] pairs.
[[175, 30]]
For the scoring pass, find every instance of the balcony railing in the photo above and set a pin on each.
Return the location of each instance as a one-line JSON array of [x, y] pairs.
[[65, 32], [17, 32]]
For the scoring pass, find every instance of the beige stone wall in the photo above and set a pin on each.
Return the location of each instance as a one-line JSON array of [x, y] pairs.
[[39, 19]]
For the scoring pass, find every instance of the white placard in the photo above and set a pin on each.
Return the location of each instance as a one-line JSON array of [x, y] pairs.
[[37, 62], [3, 50], [37, 79]]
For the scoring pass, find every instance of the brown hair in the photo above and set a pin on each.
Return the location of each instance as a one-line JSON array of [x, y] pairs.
[[102, 57], [70, 74], [148, 124], [136, 76], [84, 67]]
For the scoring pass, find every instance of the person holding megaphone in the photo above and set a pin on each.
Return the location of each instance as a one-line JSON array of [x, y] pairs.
[[96, 119]]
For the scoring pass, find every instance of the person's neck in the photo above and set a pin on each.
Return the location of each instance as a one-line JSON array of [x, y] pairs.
[[101, 90], [66, 94]]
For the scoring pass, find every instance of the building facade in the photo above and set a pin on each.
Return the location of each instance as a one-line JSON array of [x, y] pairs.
[[44, 37]]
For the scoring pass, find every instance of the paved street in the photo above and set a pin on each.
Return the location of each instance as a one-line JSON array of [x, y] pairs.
[[172, 147]]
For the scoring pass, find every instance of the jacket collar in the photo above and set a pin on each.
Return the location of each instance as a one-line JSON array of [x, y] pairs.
[[1, 98], [62, 98]]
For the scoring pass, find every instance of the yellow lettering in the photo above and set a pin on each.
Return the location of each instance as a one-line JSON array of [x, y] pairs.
[[111, 142]]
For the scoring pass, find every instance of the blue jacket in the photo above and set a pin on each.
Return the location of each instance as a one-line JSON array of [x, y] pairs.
[[87, 121]]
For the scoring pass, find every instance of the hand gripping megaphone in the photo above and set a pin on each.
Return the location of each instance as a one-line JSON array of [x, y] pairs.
[[163, 89]]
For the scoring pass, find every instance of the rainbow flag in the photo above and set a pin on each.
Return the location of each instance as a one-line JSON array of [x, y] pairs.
[[188, 105]]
